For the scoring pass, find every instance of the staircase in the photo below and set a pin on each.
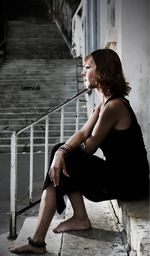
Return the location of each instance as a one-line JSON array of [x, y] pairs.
[[38, 74]]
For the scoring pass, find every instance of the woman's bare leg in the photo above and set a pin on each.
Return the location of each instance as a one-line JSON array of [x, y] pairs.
[[46, 212], [79, 220]]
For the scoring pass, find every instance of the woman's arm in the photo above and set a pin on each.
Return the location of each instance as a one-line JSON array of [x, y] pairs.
[[114, 115], [58, 163], [106, 120], [80, 136]]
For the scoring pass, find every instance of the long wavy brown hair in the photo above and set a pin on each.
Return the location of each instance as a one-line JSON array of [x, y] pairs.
[[109, 71]]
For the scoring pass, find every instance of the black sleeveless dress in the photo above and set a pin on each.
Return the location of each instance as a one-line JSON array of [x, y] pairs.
[[124, 174]]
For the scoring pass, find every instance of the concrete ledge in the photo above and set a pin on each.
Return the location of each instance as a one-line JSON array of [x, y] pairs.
[[53, 241], [134, 219], [102, 240]]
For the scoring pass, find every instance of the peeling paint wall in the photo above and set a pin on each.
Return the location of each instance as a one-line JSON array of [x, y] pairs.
[[135, 57], [63, 11], [124, 25], [3, 21]]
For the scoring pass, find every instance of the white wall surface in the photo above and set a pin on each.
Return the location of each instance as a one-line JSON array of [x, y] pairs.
[[135, 58], [130, 37]]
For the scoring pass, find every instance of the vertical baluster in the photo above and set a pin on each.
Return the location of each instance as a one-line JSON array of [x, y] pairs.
[[46, 145], [77, 114], [62, 125], [13, 186], [31, 165]]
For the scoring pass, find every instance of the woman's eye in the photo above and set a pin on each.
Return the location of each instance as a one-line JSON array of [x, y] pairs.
[[86, 67]]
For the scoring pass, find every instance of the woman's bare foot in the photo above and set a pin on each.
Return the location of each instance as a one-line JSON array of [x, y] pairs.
[[73, 224], [28, 249]]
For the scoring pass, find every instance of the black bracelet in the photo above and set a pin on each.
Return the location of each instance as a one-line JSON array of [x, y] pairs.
[[36, 244]]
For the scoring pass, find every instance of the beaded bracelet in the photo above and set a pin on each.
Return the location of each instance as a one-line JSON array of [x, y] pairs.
[[65, 148], [68, 147]]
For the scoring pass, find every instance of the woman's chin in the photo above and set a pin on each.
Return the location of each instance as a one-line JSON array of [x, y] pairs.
[[89, 86]]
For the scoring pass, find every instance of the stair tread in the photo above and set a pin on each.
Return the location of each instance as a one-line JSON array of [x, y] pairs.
[[35, 78]]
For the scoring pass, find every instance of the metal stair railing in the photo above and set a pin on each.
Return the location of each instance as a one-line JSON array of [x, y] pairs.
[[13, 166], [3, 46]]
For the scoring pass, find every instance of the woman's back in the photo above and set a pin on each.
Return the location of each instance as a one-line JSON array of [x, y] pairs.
[[125, 148]]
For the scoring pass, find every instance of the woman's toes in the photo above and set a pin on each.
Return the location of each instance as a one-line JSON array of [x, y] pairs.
[[28, 249], [72, 224]]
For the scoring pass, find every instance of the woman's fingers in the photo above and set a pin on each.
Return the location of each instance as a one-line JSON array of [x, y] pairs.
[[65, 171], [54, 175], [57, 166]]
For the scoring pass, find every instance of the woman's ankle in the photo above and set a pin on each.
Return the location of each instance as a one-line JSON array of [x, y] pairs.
[[36, 243], [80, 217]]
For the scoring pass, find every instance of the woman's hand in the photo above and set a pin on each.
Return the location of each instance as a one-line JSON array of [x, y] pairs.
[[58, 165]]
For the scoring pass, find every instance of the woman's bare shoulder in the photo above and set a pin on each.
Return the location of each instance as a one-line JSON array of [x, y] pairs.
[[116, 103], [118, 109]]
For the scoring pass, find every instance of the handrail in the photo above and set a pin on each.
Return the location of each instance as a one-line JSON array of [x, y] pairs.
[[13, 172], [4, 37], [3, 42], [51, 111]]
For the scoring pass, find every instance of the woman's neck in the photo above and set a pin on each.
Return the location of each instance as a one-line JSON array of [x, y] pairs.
[[102, 96]]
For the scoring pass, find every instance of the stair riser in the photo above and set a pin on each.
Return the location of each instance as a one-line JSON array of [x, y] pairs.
[[38, 74]]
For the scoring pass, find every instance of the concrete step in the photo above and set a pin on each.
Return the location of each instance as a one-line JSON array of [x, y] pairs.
[[38, 74], [28, 117], [11, 127], [38, 133], [15, 121], [38, 40], [21, 122], [112, 221], [102, 240], [33, 105], [39, 136], [54, 246], [16, 99], [38, 109], [25, 148], [31, 101], [134, 218]]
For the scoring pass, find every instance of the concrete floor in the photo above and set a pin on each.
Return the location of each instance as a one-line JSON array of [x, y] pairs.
[[22, 188], [103, 239]]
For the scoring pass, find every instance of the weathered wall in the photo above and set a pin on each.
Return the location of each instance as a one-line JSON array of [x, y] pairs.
[[63, 11], [134, 49], [2, 20], [129, 35]]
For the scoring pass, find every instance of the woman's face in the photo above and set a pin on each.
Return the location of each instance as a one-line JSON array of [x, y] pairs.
[[89, 75]]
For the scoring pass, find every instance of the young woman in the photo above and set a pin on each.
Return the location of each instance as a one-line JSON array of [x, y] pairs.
[[75, 170]]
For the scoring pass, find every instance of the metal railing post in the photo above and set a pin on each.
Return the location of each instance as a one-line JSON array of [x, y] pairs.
[[77, 114], [13, 186], [31, 165], [46, 145], [13, 175], [62, 125]]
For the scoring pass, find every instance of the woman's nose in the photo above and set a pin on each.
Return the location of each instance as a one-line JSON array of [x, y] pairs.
[[83, 73]]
